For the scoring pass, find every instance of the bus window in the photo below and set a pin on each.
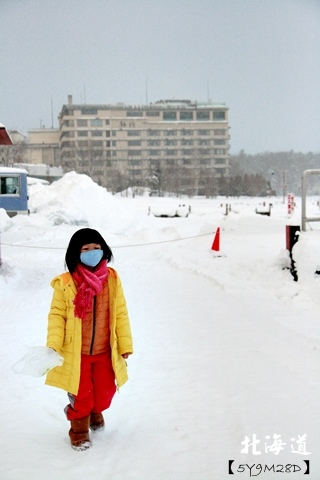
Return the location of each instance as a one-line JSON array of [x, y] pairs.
[[9, 185]]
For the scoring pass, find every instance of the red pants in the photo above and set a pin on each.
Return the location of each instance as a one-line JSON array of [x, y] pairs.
[[96, 389]]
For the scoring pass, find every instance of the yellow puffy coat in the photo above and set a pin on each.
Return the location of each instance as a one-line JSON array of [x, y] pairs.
[[65, 330]]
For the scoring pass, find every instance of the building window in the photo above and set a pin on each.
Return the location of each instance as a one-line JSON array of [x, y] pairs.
[[133, 133], [170, 161], [134, 162], [171, 116], [96, 133], [83, 143], [107, 122], [154, 133], [151, 113], [68, 123], [134, 153], [186, 132], [186, 142], [135, 113], [97, 143], [203, 142], [219, 131], [186, 161], [171, 152], [204, 132], [9, 185], [219, 161], [96, 122], [203, 116], [82, 123], [219, 142], [108, 143], [89, 111], [67, 134], [134, 143], [154, 152], [170, 142], [205, 161], [107, 133], [186, 116], [114, 143], [154, 142], [219, 151], [218, 115], [171, 133], [114, 133], [187, 151], [204, 151], [82, 133]]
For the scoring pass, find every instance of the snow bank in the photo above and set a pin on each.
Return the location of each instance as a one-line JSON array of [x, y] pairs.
[[225, 346], [76, 200], [5, 220]]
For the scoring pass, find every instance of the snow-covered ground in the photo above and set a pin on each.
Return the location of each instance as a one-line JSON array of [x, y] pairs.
[[227, 344]]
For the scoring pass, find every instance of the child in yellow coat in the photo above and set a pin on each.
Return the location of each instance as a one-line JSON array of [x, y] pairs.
[[88, 325]]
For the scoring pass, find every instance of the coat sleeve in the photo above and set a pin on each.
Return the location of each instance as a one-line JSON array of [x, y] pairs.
[[57, 317], [123, 329]]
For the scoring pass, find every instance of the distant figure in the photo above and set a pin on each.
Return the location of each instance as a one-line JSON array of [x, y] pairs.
[[88, 325]]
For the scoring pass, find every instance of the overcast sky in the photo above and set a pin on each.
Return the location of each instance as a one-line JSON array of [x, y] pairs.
[[259, 57]]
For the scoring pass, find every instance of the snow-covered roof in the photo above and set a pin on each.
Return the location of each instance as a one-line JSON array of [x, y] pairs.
[[4, 136], [12, 170]]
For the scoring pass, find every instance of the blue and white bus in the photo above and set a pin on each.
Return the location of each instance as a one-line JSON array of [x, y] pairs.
[[13, 190]]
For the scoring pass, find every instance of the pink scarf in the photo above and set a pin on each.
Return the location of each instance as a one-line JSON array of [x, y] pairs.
[[89, 283]]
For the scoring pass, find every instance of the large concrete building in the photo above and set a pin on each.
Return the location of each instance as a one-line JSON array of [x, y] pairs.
[[43, 147], [174, 145]]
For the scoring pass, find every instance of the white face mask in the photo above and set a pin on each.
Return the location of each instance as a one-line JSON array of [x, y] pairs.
[[91, 258]]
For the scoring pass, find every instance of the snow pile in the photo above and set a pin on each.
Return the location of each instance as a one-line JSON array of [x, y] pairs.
[[306, 254], [5, 220], [76, 200]]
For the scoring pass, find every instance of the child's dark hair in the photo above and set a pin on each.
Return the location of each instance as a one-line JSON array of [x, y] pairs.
[[80, 238]]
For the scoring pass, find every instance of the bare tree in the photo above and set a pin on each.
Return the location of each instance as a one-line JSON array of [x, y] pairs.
[[10, 154]]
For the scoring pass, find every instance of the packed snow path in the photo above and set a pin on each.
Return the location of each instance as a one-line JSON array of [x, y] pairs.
[[226, 349], [211, 366]]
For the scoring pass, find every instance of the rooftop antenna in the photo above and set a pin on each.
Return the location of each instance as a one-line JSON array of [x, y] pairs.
[[51, 113], [208, 92], [147, 100]]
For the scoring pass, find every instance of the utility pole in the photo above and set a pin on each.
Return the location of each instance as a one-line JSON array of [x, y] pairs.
[[284, 186]]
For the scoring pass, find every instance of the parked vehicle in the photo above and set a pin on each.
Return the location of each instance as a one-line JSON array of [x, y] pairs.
[[13, 190]]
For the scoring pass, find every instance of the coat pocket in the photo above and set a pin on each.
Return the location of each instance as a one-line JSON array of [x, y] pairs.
[[67, 340]]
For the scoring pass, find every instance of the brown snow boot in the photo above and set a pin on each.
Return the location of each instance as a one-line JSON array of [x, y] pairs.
[[79, 433], [96, 421]]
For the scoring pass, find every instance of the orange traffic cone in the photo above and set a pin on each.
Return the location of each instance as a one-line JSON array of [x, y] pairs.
[[216, 241]]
